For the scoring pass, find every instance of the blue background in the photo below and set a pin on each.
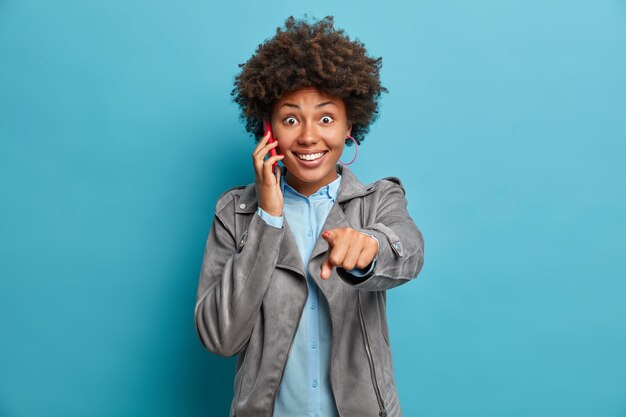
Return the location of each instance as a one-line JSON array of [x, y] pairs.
[[505, 120]]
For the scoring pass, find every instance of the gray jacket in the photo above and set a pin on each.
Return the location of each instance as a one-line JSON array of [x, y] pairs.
[[252, 291]]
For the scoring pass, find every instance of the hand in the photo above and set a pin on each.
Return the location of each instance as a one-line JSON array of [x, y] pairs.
[[267, 184], [349, 248]]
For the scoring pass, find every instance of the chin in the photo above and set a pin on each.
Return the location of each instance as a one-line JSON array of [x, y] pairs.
[[312, 175]]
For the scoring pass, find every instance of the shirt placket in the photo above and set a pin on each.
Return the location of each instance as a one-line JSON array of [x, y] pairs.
[[313, 324]]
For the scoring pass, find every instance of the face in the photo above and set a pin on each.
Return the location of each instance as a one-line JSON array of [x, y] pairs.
[[311, 128]]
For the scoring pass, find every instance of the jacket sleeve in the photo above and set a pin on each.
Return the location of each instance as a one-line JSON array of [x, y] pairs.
[[234, 278], [401, 245]]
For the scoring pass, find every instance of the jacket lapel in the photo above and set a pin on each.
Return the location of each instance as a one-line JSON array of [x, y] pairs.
[[336, 218], [289, 255], [349, 188]]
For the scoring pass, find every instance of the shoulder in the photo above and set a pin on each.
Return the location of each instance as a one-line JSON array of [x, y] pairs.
[[229, 197], [388, 184]]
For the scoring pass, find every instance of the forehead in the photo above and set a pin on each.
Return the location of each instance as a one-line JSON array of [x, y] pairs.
[[307, 97]]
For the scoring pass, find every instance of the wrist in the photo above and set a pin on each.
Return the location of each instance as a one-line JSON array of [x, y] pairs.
[[275, 213]]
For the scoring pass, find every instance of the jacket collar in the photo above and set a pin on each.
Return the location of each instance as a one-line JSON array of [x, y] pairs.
[[349, 187], [289, 256]]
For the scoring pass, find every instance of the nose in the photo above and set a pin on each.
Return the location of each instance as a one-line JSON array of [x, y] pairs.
[[308, 134]]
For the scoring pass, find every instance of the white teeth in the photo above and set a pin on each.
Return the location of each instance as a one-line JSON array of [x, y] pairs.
[[312, 156]]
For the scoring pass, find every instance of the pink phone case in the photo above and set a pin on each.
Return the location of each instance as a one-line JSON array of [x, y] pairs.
[[267, 127]]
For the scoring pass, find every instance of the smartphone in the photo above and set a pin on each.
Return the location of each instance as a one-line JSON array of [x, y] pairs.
[[268, 128]]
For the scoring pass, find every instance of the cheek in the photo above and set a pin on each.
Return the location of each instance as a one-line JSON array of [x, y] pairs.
[[339, 144], [284, 144]]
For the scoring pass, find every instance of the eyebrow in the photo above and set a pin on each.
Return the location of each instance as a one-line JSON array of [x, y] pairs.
[[318, 106]]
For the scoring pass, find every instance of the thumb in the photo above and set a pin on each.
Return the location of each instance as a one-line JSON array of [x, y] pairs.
[[278, 174], [327, 268]]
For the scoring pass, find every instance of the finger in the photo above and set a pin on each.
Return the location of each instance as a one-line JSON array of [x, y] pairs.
[[258, 166], [257, 156], [373, 240], [262, 142], [367, 256], [329, 236], [265, 138], [278, 174], [259, 160], [272, 159], [338, 253], [352, 256], [265, 149], [369, 252], [267, 166], [327, 269]]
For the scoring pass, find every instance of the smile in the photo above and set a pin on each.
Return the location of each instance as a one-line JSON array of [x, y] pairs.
[[310, 156]]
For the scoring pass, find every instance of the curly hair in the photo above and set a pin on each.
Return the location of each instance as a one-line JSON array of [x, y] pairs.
[[310, 55]]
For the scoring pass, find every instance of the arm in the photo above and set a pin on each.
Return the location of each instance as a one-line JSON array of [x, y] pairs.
[[401, 245], [233, 282]]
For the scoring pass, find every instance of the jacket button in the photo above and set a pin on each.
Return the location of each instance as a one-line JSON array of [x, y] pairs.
[[242, 206]]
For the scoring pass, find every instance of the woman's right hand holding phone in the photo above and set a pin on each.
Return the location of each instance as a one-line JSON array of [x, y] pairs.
[[267, 183]]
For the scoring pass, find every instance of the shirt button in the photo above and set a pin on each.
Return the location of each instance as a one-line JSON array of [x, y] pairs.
[[314, 345], [310, 233], [314, 384], [312, 306]]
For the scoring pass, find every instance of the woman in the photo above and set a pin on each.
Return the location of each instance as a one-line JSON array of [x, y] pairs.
[[296, 265]]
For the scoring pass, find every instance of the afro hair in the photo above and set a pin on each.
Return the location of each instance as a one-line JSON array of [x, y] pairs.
[[309, 55]]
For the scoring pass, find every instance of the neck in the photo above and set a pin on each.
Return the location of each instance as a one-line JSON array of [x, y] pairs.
[[307, 188]]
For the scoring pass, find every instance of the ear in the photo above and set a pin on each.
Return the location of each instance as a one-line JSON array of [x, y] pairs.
[[349, 131]]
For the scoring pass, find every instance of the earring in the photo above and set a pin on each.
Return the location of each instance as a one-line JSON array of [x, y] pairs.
[[355, 153]]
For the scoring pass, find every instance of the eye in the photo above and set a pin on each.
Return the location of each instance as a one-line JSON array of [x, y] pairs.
[[290, 120], [326, 119]]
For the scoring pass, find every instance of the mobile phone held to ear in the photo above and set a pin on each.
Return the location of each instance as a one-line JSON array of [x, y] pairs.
[[268, 128]]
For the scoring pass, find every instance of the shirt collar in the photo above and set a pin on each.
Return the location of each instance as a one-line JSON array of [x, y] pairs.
[[329, 190], [350, 188]]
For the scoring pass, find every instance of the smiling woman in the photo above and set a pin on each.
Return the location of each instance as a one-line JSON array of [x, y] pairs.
[[297, 264]]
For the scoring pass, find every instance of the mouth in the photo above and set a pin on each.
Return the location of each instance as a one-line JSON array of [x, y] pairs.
[[310, 156], [310, 159]]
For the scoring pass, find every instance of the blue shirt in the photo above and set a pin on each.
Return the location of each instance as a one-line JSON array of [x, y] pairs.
[[305, 388]]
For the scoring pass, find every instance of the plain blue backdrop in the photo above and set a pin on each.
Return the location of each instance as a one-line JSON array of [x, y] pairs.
[[506, 120]]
